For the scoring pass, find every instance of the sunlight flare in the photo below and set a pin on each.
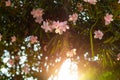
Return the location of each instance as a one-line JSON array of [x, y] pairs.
[[68, 71]]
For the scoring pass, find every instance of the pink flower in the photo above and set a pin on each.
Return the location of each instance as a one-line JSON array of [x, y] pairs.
[[11, 62], [55, 24], [108, 18], [80, 7], [8, 3], [119, 1], [37, 12], [98, 34], [25, 69], [33, 39], [46, 26], [73, 17], [0, 37], [91, 1], [62, 27], [13, 39], [59, 27]]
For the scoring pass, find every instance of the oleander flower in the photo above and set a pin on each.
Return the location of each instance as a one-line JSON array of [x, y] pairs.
[[62, 27], [13, 39], [55, 24], [59, 27], [37, 12], [98, 34], [73, 17], [91, 1], [0, 37], [33, 39], [8, 3], [47, 26], [108, 18]]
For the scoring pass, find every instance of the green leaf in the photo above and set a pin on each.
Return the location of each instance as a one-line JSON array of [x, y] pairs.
[[109, 40]]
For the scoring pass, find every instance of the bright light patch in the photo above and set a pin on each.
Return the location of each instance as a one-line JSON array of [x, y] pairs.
[[23, 59], [68, 71], [5, 60], [5, 71]]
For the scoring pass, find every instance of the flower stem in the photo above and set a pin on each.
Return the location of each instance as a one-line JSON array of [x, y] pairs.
[[91, 38]]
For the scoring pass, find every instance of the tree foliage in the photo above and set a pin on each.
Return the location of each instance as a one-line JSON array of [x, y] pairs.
[[101, 16]]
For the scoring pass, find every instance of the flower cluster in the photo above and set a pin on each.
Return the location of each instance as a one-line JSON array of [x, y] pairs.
[[37, 14], [26, 61], [59, 27], [108, 18], [98, 34], [91, 1], [19, 60]]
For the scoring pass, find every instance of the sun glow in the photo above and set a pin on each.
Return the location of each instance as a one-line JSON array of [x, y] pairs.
[[68, 71]]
